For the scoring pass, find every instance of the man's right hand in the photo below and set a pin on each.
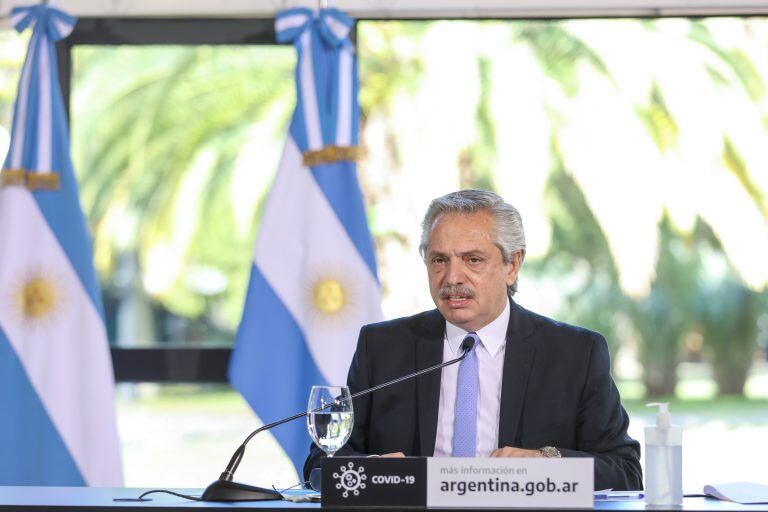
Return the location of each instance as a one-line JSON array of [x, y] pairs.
[[396, 455]]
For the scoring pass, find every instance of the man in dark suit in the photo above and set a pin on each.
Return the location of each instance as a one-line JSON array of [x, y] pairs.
[[530, 387]]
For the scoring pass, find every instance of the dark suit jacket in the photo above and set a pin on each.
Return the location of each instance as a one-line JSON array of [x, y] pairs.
[[556, 391]]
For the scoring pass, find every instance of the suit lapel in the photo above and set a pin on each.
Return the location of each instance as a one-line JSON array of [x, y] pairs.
[[429, 352], [518, 359]]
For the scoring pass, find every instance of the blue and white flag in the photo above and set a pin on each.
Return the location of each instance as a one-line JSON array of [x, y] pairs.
[[313, 282], [57, 425]]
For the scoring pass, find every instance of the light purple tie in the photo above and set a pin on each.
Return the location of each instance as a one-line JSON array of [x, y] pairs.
[[465, 414]]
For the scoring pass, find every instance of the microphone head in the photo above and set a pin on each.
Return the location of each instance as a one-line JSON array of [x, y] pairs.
[[469, 342]]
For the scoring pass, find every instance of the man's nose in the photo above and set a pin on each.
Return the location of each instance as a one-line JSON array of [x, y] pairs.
[[455, 274]]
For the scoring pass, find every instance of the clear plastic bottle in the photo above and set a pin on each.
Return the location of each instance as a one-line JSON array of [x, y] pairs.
[[663, 460]]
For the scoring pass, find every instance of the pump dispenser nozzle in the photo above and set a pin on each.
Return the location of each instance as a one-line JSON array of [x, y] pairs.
[[663, 417]]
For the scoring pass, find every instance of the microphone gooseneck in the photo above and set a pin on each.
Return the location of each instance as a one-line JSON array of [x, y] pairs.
[[466, 346], [234, 462], [222, 489]]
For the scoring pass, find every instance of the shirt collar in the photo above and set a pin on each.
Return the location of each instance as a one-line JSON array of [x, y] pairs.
[[493, 336]]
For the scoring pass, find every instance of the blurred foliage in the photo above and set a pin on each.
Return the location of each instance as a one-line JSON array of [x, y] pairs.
[[559, 52], [158, 153], [735, 163], [666, 314], [674, 306], [160, 150], [12, 49], [728, 321], [579, 250], [395, 65], [658, 120], [391, 67], [739, 63], [727, 315], [476, 161]]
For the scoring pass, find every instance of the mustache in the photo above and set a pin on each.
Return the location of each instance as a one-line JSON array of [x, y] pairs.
[[456, 289]]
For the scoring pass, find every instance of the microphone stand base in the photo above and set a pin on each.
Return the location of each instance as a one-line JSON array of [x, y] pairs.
[[223, 490]]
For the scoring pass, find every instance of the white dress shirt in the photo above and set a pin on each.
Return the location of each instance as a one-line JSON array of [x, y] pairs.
[[490, 369]]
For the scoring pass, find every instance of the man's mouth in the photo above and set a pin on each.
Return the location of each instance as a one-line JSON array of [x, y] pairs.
[[456, 296], [457, 300]]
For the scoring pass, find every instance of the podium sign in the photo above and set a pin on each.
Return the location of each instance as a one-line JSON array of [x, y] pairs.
[[374, 482], [510, 483], [457, 482]]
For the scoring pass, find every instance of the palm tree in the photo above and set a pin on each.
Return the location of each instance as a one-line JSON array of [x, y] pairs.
[[602, 145], [581, 123], [176, 155], [12, 49]]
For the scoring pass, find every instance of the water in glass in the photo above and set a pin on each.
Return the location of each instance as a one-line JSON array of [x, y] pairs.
[[330, 417]]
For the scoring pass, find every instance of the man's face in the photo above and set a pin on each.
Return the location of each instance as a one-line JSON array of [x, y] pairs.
[[467, 276]]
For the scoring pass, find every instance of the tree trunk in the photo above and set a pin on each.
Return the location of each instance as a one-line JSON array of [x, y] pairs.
[[660, 377], [730, 380]]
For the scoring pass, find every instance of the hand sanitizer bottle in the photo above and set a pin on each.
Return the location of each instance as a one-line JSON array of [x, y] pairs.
[[663, 460]]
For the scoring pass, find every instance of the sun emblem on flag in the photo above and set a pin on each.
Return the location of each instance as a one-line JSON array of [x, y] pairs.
[[38, 298], [331, 297]]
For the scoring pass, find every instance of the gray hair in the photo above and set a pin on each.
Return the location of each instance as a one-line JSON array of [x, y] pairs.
[[510, 237]]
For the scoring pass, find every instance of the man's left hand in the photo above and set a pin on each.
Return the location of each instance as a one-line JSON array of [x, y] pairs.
[[509, 451]]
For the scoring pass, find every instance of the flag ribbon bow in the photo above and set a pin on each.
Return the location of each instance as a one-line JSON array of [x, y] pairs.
[[326, 116], [333, 25], [54, 23], [28, 163]]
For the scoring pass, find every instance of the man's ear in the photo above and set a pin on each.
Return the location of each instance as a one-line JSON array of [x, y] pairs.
[[513, 267]]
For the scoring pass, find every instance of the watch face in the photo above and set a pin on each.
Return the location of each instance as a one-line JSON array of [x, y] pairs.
[[551, 451]]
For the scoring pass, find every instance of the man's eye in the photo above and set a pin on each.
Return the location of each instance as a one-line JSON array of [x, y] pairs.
[[475, 259], [438, 260]]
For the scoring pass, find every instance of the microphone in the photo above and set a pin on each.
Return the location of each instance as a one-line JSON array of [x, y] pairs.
[[224, 489]]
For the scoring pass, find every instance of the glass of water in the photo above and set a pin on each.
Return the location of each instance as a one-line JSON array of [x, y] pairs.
[[330, 417]]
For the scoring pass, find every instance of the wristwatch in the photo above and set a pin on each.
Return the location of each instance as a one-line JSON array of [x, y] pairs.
[[551, 452]]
